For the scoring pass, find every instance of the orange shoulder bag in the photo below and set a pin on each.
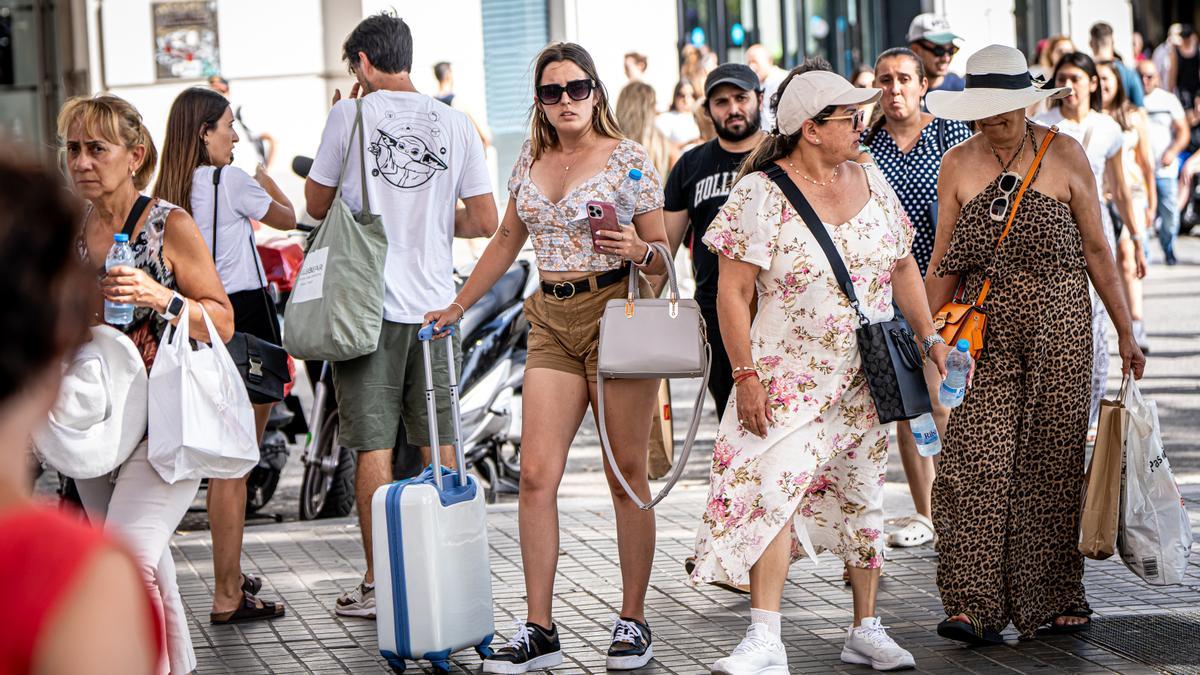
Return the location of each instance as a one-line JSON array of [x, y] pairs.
[[961, 321]]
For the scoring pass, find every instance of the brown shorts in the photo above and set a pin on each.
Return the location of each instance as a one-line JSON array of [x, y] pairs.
[[564, 335]]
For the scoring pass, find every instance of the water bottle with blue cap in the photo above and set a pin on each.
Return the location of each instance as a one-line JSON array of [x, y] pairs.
[[627, 196]]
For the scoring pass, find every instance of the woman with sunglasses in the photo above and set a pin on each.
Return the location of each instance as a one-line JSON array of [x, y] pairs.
[[1006, 497], [799, 469], [1079, 115], [576, 154]]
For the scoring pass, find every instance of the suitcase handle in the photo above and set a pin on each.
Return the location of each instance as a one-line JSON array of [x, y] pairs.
[[426, 336]]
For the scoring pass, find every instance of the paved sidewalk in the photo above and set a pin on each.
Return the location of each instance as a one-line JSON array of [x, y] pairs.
[[309, 564]]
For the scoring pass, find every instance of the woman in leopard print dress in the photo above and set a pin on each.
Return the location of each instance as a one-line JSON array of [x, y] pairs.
[[1006, 500]]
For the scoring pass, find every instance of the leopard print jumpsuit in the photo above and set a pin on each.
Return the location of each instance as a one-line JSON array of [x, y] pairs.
[[1006, 499]]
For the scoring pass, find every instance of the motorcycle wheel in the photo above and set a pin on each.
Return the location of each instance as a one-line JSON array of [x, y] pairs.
[[333, 497], [260, 487]]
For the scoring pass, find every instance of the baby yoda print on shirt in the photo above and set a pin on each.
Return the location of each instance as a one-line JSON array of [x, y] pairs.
[[409, 149]]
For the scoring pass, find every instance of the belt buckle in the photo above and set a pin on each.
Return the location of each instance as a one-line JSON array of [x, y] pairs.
[[566, 284]]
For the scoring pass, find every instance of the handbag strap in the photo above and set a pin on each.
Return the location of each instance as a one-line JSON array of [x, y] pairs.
[[1012, 213], [216, 206], [135, 214], [680, 462], [806, 212], [362, 161]]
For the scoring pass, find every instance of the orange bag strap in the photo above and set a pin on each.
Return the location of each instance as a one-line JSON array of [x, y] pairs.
[[1037, 160]]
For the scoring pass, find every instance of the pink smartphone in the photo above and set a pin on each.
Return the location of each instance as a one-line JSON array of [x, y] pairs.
[[601, 216]]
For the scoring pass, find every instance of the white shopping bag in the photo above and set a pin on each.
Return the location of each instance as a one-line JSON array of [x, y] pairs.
[[201, 424], [1154, 535]]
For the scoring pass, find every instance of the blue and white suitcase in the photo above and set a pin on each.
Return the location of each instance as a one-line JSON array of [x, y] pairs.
[[433, 588]]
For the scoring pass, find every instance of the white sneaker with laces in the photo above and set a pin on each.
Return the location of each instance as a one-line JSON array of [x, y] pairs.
[[358, 601], [759, 653], [869, 644]]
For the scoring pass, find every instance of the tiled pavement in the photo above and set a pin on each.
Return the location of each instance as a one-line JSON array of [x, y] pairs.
[[308, 565]]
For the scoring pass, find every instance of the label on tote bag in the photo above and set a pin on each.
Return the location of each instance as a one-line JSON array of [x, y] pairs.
[[310, 283]]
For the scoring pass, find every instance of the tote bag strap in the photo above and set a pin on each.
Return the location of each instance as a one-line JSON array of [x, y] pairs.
[[362, 161], [1012, 212], [805, 210], [680, 462]]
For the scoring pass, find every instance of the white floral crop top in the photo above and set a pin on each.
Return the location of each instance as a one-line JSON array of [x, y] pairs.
[[562, 238]]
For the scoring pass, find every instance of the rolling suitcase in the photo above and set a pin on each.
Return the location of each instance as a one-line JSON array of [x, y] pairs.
[[433, 590]]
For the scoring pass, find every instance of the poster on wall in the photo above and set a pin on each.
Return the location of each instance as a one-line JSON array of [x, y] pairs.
[[185, 39]]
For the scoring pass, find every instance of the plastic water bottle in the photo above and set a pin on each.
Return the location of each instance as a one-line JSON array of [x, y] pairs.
[[627, 196], [958, 366], [118, 313], [925, 432]]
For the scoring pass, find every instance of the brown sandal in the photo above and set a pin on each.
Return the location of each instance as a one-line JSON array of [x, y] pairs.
[[252, 609]]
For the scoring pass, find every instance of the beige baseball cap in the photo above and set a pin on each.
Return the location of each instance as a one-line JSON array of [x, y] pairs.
[[809, 93]]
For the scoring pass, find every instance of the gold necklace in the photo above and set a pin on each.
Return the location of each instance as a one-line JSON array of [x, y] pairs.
[[566, 170], [818, 183]]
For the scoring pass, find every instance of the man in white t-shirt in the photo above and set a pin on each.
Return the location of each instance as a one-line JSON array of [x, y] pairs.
[[422, 156], [770, 76], [1169, 135]]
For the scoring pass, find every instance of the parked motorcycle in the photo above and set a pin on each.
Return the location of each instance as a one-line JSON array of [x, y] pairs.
[[494, 341]]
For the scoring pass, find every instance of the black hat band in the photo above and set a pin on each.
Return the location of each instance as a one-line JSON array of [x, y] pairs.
[[999, 81]]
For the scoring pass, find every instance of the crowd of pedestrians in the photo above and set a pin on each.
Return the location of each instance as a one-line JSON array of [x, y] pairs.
[[928, 185]]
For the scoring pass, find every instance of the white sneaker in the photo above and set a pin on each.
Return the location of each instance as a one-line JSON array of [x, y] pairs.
[[358, 601], [869, 644], [759, 653]]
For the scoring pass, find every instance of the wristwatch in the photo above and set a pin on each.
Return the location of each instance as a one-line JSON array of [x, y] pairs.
[[930, 340], [174, 307]]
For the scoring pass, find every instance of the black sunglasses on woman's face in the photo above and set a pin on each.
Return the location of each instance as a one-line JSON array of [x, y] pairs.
[[578, 90]]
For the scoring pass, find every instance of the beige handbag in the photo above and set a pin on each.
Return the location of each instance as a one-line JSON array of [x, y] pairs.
[[648, 339]]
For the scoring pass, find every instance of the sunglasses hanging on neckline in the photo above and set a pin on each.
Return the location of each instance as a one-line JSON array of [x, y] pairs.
[[998, 210], [577, 90]]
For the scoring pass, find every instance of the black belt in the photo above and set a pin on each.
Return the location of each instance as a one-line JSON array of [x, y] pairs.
[[568, 289]]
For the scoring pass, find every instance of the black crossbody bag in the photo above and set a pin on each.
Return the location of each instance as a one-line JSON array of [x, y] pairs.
[[263, 365], [891, 359]]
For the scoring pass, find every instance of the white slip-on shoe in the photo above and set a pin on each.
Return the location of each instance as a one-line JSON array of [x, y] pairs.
[[759, 653], [870, 645], [916, 530]]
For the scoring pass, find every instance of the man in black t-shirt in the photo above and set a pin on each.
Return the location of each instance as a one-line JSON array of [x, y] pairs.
[[697, 187]]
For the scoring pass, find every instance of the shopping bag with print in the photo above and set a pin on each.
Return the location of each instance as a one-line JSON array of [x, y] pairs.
[[201, 424], [1102, 482], [1155, 535]]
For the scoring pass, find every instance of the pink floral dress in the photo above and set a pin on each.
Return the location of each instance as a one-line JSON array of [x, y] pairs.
[[820, 470]]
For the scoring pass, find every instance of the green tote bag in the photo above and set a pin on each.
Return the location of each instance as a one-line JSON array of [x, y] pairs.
[[335, 311]]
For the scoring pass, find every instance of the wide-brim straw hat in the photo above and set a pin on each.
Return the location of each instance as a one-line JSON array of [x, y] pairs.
[[998, 81], [101, 412]]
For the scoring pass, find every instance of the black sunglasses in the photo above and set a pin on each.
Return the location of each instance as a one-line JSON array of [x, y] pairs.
[[549, 94], [938, 50]]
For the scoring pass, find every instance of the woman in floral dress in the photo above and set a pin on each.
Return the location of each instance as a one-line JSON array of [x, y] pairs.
[[800, 468]]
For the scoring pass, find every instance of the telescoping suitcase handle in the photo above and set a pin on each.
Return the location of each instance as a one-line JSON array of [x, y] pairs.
[[426, 335]]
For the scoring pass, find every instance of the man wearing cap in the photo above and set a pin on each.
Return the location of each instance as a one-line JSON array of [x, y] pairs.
[[697, 187], [929, 35]]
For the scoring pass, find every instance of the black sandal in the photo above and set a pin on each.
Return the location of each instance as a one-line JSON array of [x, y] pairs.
[[249, 611], [690, 564], [251, 584], [972, 633], [1070, 628]]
